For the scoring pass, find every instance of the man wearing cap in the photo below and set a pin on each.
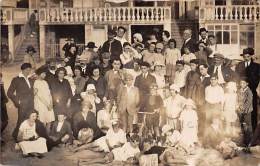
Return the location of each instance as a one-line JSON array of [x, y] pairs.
[[70, 57], [113, 46], [21, 94], [88, 54], [120, 35], [128, 103], [251, 70], [223, 73], [28, 58], [67, 45], [143, 83]]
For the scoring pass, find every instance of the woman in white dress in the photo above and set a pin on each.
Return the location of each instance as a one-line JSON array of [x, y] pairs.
[[43, 99], [29, 140]]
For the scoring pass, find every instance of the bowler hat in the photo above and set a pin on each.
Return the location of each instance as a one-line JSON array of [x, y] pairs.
[[202, 30], [249, 51], [30, 48], [91, 45]]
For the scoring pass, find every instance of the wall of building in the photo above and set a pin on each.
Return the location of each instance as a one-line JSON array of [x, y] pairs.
[[8, 3]]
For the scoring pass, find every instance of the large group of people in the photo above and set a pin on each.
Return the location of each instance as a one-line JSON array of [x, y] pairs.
[[144, 97]]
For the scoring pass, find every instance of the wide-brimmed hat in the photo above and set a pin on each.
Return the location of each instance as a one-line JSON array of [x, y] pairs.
[[166, 128], [30, 48], [91, 45]]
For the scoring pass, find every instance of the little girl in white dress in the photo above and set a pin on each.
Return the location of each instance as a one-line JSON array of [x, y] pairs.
[[189, 125]]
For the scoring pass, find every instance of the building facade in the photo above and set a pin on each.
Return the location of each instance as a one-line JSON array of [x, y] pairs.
[[235, 23]]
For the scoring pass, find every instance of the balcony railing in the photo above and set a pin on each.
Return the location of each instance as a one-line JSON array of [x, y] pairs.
[[105, 15], [235, 12], [14, 16]]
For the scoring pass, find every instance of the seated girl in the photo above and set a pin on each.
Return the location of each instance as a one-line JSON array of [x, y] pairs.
[[61, 132], [172, 137], [104, 117], [31, 137], [115, 138], [91, 96]]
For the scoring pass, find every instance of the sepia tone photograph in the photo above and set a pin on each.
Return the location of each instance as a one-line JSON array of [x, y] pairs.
[[130, 83]]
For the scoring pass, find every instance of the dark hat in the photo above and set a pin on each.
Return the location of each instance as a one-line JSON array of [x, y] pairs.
[[111, 32], [91, 45], [145, 64], [195, 61], [218, 55], [30, 48], [180, 62], [243, 78], [203, 30], [26, 66], [249, 51], [41, 70]]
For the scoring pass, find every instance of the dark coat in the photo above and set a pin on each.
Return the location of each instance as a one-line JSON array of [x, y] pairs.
[[100, 85], [23, 98], [50, 78], [191, 44], [116, 48], [72, 59], [91, 122], [226, 72], [65, 129]]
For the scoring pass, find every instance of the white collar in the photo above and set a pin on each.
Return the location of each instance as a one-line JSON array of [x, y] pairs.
[[187, 40], [22, 76]]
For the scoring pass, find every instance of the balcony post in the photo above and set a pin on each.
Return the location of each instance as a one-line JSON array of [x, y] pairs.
[[88, 33], [42, 42], [11, 41]]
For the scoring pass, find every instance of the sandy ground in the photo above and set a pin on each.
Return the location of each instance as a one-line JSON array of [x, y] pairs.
[[61, 156]]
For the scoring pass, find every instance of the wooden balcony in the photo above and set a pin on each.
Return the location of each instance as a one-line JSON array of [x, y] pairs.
[[141, 15], [236, 13], [11, 16]]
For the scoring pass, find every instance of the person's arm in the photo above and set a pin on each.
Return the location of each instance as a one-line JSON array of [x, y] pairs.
[[11, 93]]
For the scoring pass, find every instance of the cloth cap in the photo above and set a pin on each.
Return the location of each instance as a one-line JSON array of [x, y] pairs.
[[166, 128], [138, 36], [218, 55], [175, 87], [91, 87], [158, 63], [115, 121], [26, 66]]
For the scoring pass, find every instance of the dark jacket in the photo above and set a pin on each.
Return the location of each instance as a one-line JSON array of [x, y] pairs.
[[65, 129], [252, 73], [226, 72], [116, 48], [191, 44]]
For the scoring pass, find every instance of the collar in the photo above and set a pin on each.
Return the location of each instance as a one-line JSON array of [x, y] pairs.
[[187, 40], [129, 86], [22, 76]]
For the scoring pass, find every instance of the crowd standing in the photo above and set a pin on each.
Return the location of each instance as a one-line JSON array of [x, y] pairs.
[[148, 97]]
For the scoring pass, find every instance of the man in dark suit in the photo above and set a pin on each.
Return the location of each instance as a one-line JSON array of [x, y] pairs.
[[223, 73], [112, 46], [50, 73], [143, 83], [188, 41], [251, 70], [21, 94]]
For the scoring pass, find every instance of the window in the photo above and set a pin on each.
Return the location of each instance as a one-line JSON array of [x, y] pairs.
[[224, 33], [247, 36]]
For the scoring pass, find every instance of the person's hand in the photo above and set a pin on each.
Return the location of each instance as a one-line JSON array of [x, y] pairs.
[[66, 59], [104, 99]]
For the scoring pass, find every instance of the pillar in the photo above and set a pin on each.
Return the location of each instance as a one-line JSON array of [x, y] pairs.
[[167, 26], [42, 42], [88, 34], [11, 41]]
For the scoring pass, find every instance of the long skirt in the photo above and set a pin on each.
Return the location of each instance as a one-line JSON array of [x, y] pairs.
[[37, 146]]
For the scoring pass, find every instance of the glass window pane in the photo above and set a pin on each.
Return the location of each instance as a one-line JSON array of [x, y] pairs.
[[211, 33], [226, 27], [219, 37], [234, 37], [251, 39], [218, 27], [211, 27], [243, 38], [226, 37]]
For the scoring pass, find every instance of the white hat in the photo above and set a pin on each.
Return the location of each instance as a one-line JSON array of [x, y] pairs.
[[158, 63], [91, 87], [166, 128], [175, 87], [190, 102], [115, 121], [138, 36]]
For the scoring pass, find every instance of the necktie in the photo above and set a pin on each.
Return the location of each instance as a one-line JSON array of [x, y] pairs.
[[216, 72]]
